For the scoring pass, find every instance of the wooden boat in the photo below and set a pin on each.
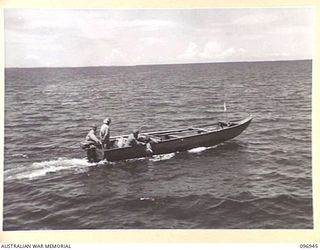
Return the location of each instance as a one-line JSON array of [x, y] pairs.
[[164, 142]]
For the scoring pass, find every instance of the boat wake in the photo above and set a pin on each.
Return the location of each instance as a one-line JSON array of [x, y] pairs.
[[200, 149], [38, 169], [153, 158], [197, 150], [162, 157]]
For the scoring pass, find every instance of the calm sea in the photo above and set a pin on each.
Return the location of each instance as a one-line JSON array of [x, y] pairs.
[[261, 179]]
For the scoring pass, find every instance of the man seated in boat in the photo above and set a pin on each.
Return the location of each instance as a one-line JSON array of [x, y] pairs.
[[134, 139], [91, 143], [91, 138], [223, 124]]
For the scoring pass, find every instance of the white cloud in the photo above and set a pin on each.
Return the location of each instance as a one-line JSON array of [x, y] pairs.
[[211, 50], [228, 52], [289, 31], [116, 57], [191, 52], [256, 19], [32, 57], [150, 24], [152, 41]]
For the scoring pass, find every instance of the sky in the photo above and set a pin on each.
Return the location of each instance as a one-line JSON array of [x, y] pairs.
[[115, 37]]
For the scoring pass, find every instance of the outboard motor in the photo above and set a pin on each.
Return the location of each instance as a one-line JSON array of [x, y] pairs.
[[91, 150]]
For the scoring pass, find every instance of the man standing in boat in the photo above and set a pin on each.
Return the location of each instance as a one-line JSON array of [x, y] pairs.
[[105, 133]]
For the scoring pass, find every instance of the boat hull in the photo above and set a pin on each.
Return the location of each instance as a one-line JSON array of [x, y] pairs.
[[202, 139]]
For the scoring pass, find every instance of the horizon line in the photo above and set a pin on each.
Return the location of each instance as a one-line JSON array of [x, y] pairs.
[[156, 64]]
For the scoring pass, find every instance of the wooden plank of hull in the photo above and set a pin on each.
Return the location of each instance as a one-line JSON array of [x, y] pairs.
[[204, 139], [126, 153]]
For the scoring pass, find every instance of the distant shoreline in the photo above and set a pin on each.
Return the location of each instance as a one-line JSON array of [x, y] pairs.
[[164, 64]]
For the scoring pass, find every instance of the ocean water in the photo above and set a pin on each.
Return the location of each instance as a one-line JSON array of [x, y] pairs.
[[260, 179]]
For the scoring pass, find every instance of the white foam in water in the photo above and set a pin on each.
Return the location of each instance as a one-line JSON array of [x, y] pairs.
[[153, 158], [38, 169], [104, 162], [200, 149], [162, 157], [197, 150], [147, 199], [20, 155]]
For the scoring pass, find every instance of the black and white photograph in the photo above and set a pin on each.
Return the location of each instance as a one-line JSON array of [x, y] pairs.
[[186, 118]]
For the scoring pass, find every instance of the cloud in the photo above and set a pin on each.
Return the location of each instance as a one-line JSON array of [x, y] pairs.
[[210, 51], [290, 31], [32, 57], [256, 18], [150, 24], [228, 52], [190, 53], [152, 41], [116, 57]]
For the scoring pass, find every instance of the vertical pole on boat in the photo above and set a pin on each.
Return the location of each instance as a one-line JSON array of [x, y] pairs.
[[225, 111]]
